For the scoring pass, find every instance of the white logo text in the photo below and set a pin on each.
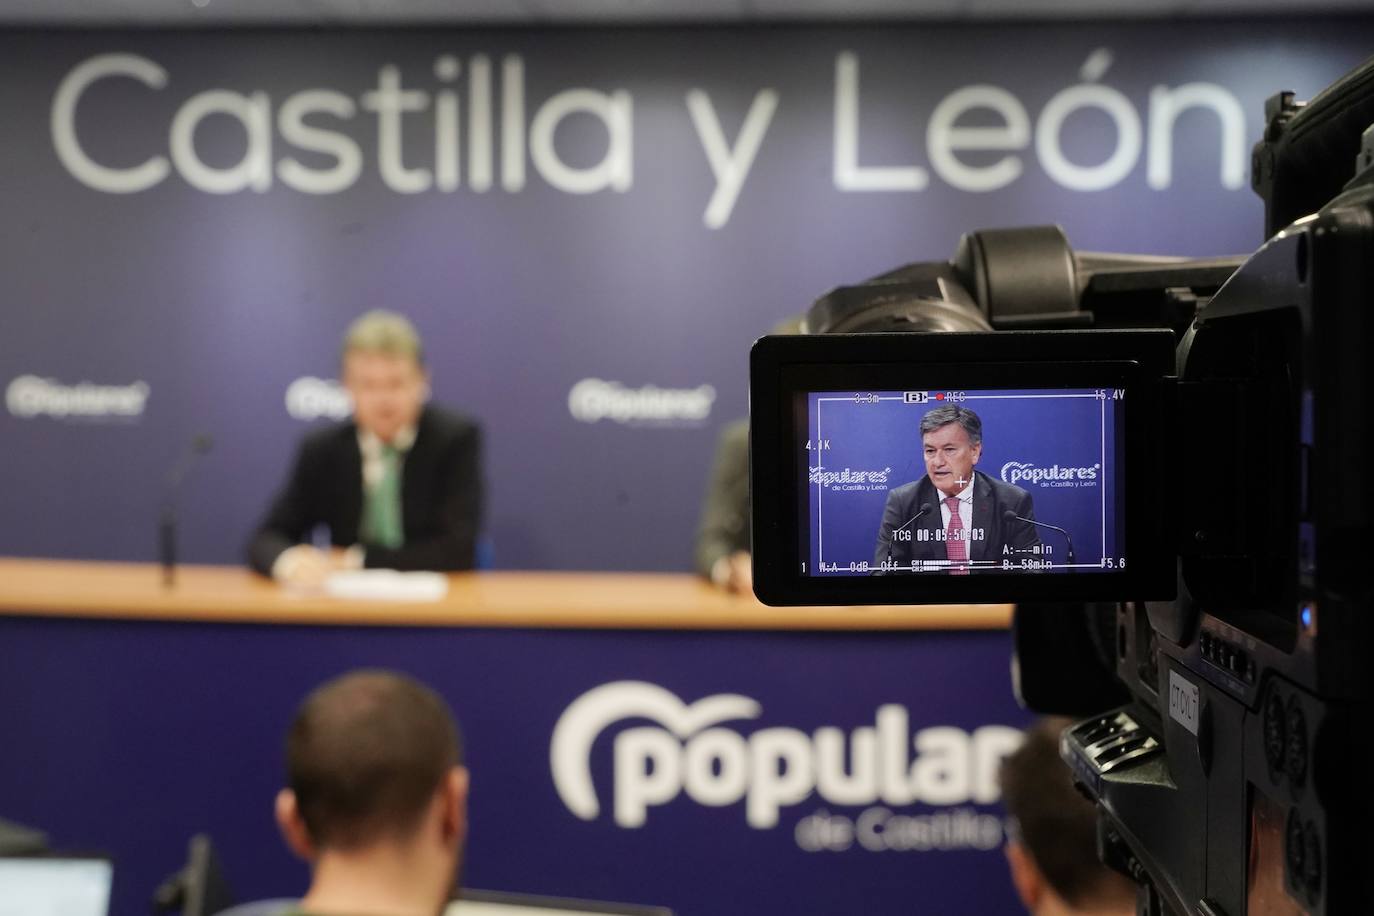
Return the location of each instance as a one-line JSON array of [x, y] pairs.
[[310, 398], [688, 750], [592, 399], [29, 396]]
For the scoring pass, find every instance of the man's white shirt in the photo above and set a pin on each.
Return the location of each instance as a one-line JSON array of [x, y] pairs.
[[965, 497], [370, 447]]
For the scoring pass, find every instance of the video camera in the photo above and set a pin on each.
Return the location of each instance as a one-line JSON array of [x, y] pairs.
[[1161, 461]]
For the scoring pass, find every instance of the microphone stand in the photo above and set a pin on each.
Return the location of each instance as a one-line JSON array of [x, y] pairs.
[[1010, 515], [167, 520], [925, 507]]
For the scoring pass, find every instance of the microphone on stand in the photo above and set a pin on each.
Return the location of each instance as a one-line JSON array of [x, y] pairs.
[[925, 507], [1011, 516], [167, 521]]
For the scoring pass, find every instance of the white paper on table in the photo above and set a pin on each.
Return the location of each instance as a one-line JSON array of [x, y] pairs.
[[387, 585]]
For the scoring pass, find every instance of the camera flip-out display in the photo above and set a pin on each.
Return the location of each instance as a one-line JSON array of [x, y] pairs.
[[924, 468], [964, 481]]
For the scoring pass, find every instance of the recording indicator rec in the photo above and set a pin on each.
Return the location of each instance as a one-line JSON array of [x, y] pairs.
[[933, 397]]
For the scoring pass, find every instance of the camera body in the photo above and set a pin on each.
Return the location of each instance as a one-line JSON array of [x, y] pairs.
[[1217, 596], [1232, 779]]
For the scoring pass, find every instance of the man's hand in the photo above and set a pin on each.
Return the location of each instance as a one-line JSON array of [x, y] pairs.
[[346, 558], [305, 566], [734, 573]]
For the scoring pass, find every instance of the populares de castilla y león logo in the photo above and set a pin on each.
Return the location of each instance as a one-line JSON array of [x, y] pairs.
[[849, 479], [30, 396], [1024, 472], [689, 750]]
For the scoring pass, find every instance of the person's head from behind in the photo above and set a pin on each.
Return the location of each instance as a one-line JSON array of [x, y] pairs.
[[1053, 850], [376, 793], [952, 442], [384, 372]]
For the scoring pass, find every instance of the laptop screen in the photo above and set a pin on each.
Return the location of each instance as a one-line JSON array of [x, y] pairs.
[[55, 887], [498, 903]]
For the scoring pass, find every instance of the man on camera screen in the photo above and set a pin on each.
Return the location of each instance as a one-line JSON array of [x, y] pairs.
[[973, 527]]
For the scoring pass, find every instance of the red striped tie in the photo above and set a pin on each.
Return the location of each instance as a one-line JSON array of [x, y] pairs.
[[956, 547]]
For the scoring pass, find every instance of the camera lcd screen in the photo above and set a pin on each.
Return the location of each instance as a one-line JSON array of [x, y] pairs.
[[1025, 466], [963, 481]]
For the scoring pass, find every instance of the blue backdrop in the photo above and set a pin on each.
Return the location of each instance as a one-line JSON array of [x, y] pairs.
[[129, 737], [577, 220]]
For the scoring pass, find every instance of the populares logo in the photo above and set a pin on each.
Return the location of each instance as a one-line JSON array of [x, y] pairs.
[[310, 398], [29, 396], [688, 749], [1053, 476], [849, 479], [592, 399]]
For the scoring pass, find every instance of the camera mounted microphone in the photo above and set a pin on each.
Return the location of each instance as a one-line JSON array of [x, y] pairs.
[[1011, 516], [925, 508]]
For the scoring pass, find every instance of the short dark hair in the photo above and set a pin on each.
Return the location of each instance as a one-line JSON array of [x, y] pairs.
[[365, 755], [1057, 825], [953, 413]]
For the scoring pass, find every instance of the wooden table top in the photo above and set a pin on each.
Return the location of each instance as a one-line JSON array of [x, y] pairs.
[[560, 600]]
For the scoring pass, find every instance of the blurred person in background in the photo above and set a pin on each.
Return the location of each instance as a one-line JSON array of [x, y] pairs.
[[722, 549], [398, 487], [1052, 851], [722, 554]]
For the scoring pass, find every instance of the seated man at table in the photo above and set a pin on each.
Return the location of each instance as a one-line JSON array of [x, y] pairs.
[[722, 548], [722, 553], [398, 487], [377, 802]]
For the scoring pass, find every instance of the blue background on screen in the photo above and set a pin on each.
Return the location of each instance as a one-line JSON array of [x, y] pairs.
[[1018, 434]]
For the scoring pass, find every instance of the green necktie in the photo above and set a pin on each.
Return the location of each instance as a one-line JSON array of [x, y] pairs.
[[381, 522]]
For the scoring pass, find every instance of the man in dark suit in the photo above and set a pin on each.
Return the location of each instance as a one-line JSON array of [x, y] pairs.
[[722, 549], [722, 552], [398, 487], [954, 518]]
